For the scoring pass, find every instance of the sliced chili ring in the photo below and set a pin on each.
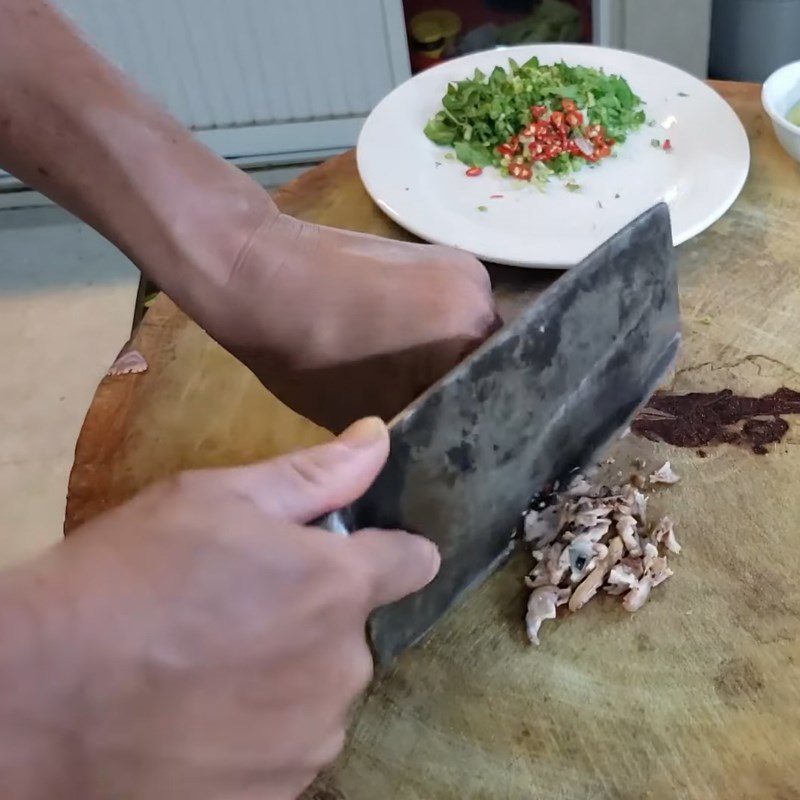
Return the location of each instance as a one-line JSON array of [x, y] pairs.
[[573, 119], [521, 171]]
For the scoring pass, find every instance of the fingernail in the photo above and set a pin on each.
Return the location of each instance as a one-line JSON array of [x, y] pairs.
[[435, 560], [364, 433]]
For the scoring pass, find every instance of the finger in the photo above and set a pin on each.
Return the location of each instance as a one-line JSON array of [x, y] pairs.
[[396, 563], [302, 486], [497, 323]]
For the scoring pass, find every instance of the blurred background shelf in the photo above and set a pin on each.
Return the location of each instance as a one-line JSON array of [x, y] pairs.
[[441, 29]]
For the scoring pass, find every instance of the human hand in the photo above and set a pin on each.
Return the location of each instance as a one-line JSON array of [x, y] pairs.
[[221, 642], [340, 325]]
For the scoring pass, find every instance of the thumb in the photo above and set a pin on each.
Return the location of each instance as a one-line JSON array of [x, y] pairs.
[[396, 563], [302, 486]]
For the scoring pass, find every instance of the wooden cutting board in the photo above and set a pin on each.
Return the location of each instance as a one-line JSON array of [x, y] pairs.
[[696, 696]]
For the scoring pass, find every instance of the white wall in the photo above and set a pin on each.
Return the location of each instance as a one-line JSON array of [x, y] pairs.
[[256, 77], [676, 31], [266, 82]]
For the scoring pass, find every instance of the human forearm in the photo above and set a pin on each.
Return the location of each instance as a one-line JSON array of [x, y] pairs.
[[74, 127], [309, 309]]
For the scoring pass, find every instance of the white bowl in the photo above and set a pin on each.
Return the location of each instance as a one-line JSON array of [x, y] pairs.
[[780, 94]]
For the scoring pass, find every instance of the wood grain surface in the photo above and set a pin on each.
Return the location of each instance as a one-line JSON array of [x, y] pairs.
[[698, 695]]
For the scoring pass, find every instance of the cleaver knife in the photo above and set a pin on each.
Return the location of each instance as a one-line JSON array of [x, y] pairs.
[[543, 396]]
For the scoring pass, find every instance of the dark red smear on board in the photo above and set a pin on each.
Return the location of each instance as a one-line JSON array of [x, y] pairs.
[[693, 420]]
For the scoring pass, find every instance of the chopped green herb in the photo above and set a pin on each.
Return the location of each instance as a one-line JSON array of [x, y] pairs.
[[682, 94], [655, 143], [483, 208], [484, 111], [450, 156], [651, 124], [541, 175], [705, 320], [474, 154], [573, 187]]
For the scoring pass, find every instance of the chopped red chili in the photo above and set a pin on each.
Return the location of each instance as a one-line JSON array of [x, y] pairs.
[[551, 133]]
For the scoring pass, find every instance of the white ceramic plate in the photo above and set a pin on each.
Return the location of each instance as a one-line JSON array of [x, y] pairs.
[[409, 178]]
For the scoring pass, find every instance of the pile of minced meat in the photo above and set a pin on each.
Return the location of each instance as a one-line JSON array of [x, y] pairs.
[[591, 539]]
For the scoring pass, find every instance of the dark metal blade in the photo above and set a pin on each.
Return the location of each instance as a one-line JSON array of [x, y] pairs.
[[544, 395]]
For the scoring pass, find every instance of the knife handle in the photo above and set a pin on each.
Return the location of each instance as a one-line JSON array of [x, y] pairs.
[[340, 522]]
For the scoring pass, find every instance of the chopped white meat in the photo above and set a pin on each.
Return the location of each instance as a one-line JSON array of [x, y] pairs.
[[542, 605], [578, 487], [553, 566], [581, 557], [621, 579], [660, 530], [597, 532], [664, 533], [600, 550], [650, 555], [665, 474], [594, 539], [548, 570], [634, 502], [592, 516], [568, 512], [671, 543], [595, 579], [659, 571], [626, 528], [635, 565], [637, 596], [621, 509], [128, 362], [639, 507], [541, 527]]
